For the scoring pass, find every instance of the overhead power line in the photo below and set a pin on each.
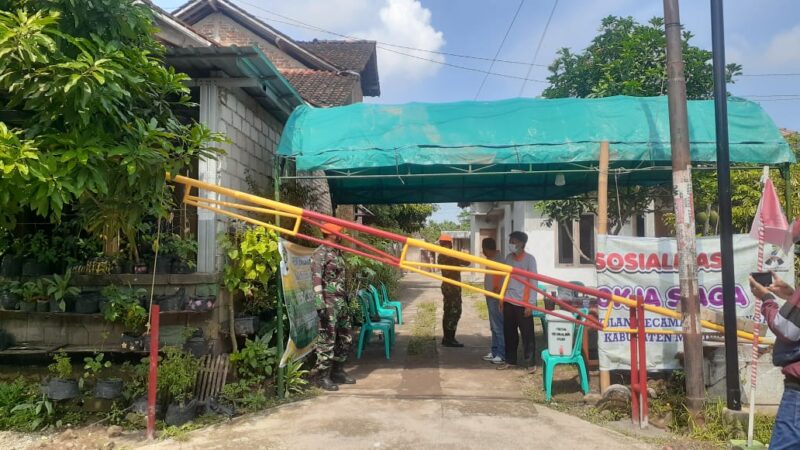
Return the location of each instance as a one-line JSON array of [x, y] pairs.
[[300, 24], [456, 66], [538, 48], [499, 48]]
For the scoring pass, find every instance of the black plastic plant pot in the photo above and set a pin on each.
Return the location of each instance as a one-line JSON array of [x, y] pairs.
[[201, 304], [171, 303], [55, 306], [27, 306], [181, 267], [245, 326], [108, 389], [58, 389], [34, 268], [42, 306], [181, 413], [87, 304], [9, 301], [11, 266], [164, 264], [132, 343], [196, 345]]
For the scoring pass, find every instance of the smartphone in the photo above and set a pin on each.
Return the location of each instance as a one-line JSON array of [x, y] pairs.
[[762, 278]]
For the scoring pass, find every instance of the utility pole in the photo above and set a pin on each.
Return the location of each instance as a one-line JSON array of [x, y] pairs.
[[734, 395], [684, 209]]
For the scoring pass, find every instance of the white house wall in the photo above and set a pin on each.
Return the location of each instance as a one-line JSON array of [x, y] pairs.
[[254, 135]]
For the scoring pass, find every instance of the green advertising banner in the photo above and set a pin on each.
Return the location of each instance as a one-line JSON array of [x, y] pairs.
[[298, 295]]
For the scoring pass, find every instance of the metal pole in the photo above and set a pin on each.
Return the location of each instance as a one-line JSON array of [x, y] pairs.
[[633, 323], [684, 209], [277, 166], [734, 396], [153, 377]]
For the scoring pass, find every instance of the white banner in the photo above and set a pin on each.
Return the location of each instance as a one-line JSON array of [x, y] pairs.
[[648, 267]]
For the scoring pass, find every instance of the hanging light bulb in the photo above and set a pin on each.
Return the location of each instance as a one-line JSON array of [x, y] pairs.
[[560, 181]]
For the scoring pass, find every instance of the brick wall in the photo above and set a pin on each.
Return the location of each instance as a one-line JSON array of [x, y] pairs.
[[254, 136], [227, 31]]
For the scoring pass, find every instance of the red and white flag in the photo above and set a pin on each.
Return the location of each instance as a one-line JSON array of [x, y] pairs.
[[770, 215]]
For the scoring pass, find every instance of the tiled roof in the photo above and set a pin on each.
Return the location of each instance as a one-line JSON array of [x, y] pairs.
[[346, 55], [322, 88]]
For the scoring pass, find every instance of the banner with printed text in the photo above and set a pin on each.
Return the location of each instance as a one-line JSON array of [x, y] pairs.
[[298, 295], [648, 267]]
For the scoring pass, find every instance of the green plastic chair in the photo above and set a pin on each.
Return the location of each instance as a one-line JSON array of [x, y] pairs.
[[389, 303], [551, 361], [383, 312], [369, 325], [538, 314]]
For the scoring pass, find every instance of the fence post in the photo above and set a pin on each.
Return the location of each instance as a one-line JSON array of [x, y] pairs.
[[153, 377]]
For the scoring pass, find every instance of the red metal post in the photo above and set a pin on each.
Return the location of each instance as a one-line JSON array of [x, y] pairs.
[[634, 324], [151, 385], [642, 343]]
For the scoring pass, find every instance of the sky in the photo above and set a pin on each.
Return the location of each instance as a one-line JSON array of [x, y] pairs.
[[763, 36]]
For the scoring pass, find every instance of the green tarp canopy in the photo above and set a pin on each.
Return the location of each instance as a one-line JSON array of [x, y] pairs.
[[515, 149]]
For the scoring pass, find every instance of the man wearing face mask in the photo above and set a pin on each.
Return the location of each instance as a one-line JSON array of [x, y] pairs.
[[516, 319], [333, 343]]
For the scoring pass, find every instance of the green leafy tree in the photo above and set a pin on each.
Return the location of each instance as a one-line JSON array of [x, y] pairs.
[[88, 119], [408, 218], [626, 58]]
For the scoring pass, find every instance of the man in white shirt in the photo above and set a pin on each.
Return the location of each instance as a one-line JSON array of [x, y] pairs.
[[518, 321]]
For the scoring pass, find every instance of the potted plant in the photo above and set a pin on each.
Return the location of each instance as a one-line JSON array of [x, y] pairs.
[[196, 344], [184, 252], [96, 370], [29, 292], [204, 298], [62, 386], [123, 306], [11, 265], [177, 375], [40, 254], [88, 302], [60, 291], [9, 295]]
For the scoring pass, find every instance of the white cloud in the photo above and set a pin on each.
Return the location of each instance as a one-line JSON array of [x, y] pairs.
[[784, 48], [401, 22], [406, 23]]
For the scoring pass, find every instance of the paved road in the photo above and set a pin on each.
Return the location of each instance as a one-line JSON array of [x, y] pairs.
[[441, 399]]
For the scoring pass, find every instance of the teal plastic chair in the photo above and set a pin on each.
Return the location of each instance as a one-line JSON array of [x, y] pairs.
[[383, 312], [389, 303], [540, 315], [551, 361], [369, 325]]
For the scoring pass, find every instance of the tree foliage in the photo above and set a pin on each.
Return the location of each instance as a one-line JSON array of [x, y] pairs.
[[88, 118], [409, 218], [625, 58]]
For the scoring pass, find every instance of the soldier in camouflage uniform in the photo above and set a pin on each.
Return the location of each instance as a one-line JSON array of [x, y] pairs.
[[451, 294], [335, 321]]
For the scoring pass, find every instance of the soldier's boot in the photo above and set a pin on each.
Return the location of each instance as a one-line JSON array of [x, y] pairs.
[[449, 339], [338, 375], [325, 381]]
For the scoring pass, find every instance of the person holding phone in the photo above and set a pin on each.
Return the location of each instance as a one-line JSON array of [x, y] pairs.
[[784, 321]]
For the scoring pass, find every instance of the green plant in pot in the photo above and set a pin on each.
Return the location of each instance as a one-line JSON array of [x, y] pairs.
[[10, 295], [11, 265], [62, 385], [40, 255], [96, 370], [60, 291], [177, 375], [33, 297], [123, 307], [182, 252]]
